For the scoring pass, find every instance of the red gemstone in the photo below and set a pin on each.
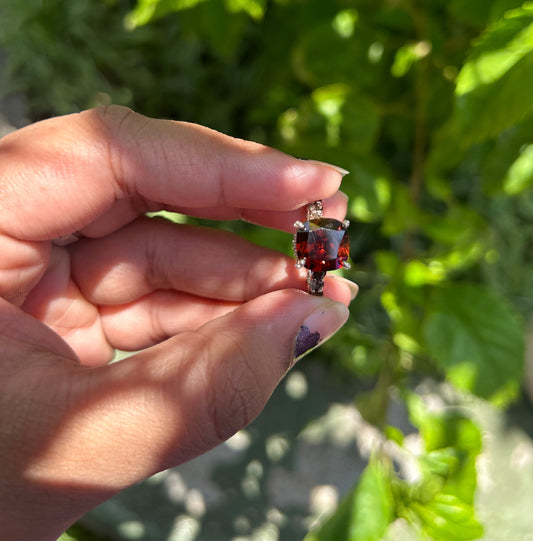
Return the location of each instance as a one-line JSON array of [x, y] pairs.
[[323, 245]]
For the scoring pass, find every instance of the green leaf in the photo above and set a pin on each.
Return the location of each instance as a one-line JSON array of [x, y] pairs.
[[349, 115], [447, 518], [501, 47], [147, 10], [498, 173], [360, 122], [452, 442], [254, 8], [407, 55], [474, 12], [222, 29], [492, 109], [366, 513], [402, 215], [498, 8], [495, 84], [458, 225], [520, 175], [441, 462], [369, 187], [419, 273], [326, 55], [441, 504], [394, 434], [66, 537], [477, 340], [336, 116]]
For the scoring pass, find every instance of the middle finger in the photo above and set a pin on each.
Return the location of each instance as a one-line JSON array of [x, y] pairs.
[[153, 254]]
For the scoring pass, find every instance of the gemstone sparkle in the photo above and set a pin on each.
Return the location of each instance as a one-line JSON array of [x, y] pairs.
[[322, 244]]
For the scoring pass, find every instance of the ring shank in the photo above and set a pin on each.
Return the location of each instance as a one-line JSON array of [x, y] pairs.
[[315, 282], [314, 210]]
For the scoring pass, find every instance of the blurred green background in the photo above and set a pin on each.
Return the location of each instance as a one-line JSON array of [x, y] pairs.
[[428, 105]]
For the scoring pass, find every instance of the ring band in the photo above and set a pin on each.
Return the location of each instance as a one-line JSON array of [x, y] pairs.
[[315, 210]]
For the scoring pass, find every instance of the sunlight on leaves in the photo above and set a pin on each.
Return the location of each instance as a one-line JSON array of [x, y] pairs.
[[448, 518], [366, 513], [345, 21], [254, 8], [329, 101], [476, 340], [371, 187], [430, 109], [441, 505], [419, 273], [148, 10], [494, 85], [519, 177], [322, 57], [498, 51], [66, 537], [408, 55]]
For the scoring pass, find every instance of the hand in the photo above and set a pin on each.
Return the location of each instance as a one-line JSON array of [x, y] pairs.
[[219, 317]]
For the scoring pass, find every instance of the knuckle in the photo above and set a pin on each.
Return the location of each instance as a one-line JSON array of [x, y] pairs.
[[119, 130], [113, 115]]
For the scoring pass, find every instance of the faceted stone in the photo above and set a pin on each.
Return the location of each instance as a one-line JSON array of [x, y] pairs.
[[322, 245]]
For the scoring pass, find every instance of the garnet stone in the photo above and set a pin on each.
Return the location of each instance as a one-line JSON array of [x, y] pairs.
[[322, 245]]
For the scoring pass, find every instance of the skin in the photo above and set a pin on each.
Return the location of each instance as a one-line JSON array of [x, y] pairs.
[[215, 316]]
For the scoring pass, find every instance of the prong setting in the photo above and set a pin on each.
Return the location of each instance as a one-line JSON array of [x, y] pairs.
[[320, 244]]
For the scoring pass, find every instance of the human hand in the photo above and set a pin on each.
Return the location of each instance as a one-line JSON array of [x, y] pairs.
[[219, 317]]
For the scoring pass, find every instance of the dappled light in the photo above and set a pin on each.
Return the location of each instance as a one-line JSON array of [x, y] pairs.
[[412, 423]]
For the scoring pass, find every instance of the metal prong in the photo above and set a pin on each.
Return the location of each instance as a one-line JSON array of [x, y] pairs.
[[300, 263], [346, 265], [346, 224], [299, 225]]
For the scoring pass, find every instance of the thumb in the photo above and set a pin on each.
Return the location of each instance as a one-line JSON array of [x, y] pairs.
[[95, 431], [177, 400]]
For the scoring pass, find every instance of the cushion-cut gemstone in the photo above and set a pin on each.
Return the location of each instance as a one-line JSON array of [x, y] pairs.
[[322, 244]]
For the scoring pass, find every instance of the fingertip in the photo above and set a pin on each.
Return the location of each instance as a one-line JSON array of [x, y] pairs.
[[336, 206], [343, 172], [296, 182], [340, 289], [319, 326], [321, 181]]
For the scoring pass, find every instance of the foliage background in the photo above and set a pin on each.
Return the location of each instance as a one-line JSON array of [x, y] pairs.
[[428, 105]]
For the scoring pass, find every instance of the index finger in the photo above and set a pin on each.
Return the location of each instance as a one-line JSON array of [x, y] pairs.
[[60, 175]]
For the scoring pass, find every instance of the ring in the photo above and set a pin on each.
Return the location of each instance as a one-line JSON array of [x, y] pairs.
[[320, 245], [67, 239]]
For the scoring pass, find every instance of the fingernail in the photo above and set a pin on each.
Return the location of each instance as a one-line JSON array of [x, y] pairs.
[[352, 286], [320, 325], [340, 170]]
